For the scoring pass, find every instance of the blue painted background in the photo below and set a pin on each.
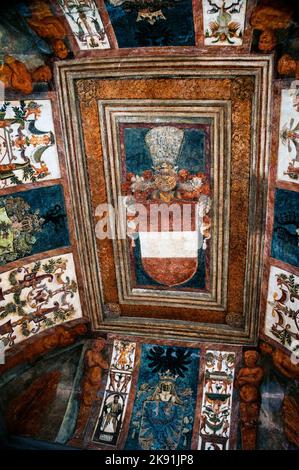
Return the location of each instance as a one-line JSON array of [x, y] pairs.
[[54, 233], [177, 30], [286, 221], [138, 158]]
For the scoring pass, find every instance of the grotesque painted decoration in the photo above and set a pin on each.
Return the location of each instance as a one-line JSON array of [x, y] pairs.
[[28, 151], [32, 222], [86, 23], [285, 241], [282, 314], [224, 22], [164, 406], [115, 400], [176, 146], [216, 410], [152, 23], [288, 154], [37, 296]]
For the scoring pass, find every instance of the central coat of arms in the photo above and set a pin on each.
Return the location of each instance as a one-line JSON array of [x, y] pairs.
[[169, 240]]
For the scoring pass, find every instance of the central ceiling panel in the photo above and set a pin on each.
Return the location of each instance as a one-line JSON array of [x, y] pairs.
[[168, 158], [167, 178]]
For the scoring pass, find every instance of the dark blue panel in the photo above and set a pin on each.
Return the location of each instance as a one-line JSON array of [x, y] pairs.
[[39, 222], [285, 241], [163, 412], [138, 159], [176, 30]]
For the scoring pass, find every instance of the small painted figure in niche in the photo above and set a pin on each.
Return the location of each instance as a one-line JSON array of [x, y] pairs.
[[124, 359], [115, 399], [152, 23], [111, 413], [118, 382], [217, 397]]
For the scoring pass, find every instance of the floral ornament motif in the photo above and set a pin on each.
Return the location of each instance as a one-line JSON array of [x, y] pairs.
[[37, 296], [286, 327], [223, 29], [18, 227], [23, 144], [165, 182], [86, 23], [289, 136], [216, 410]]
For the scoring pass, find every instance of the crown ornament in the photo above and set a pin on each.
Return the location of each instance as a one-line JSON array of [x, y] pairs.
[[164, 144], [167, 376]]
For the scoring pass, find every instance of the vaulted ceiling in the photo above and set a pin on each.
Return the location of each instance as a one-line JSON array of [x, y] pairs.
[[121, 107]]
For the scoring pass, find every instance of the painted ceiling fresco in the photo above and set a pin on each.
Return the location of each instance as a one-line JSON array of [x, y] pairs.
[[123, 326]]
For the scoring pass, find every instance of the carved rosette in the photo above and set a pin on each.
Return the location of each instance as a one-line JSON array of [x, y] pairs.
[[248, 382], [87, 91], [242, 88], [235, 320], [112, 310]]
